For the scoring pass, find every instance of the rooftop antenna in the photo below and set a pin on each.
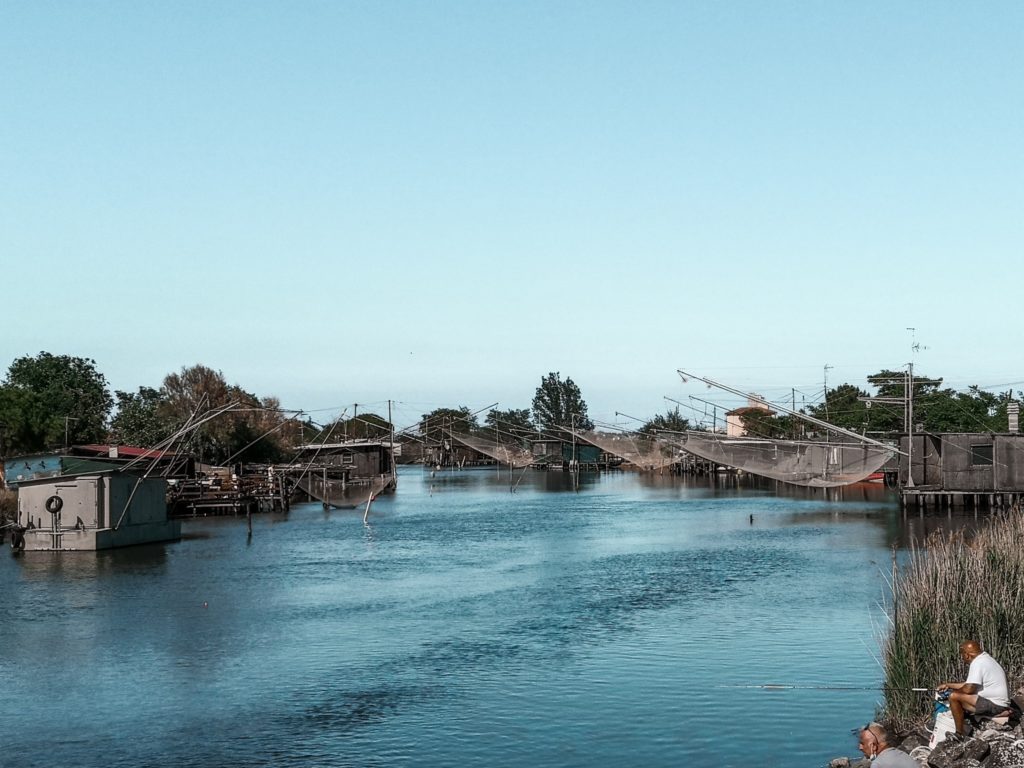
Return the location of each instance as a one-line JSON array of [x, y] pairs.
[[914, 349], [827, 369]]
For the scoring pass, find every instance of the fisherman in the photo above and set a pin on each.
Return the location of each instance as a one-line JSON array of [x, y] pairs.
[[985, 692], [874, 743]]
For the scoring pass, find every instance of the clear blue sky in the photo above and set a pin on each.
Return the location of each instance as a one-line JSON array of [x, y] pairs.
[[435, 202]]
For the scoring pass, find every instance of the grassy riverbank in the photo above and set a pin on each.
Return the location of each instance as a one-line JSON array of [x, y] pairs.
[[954, 589]]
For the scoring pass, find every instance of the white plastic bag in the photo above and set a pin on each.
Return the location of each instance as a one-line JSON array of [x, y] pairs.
[[944, 724]]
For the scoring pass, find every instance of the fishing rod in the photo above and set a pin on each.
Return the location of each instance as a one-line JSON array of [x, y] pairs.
[[781, 687]]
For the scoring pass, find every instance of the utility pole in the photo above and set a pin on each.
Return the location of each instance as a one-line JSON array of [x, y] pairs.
[[827, 368], [793, 408], [66, 420], [907, 401], [910, 424], [572, 421], [394, 467]]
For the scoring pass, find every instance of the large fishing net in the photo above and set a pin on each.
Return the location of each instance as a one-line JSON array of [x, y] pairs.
[[344, 495], [506, 452], [646, 453], [813, 464]]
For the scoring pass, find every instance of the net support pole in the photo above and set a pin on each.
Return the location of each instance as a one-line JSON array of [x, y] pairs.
[[811, 419]]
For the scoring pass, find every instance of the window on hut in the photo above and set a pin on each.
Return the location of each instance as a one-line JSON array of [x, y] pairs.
[[981, 455]]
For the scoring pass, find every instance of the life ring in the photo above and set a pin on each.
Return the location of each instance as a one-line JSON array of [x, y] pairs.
[[54, 504]]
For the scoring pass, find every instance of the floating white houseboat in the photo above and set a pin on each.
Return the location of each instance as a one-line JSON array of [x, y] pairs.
[[92, 511]]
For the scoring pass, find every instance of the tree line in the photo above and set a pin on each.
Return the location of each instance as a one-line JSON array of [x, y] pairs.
[[883, 414], [51, 401]]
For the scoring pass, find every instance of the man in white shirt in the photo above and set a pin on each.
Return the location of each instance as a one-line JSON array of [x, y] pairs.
[[985, 692]]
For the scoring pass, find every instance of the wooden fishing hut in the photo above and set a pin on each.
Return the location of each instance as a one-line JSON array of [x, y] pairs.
[[449, 453], [973, 470], [344, 474], [552, 452], [241, 489]]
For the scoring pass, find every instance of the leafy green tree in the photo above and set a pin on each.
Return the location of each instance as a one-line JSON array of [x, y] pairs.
[[193, 392], [22, 422], [894, 384], [947, 410], [195, 389], [258, 429], [365, 426], [759, 422], [670, 421], [513, 422], [843, 408], [437, 424], [559, 403], [936, 409], [249, 432], [141, 418], [59, 398], [308, 432]]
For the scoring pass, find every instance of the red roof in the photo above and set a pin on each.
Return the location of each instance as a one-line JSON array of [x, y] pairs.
[[125, 451]]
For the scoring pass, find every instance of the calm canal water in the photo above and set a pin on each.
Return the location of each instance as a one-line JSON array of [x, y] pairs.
[[463, 625]]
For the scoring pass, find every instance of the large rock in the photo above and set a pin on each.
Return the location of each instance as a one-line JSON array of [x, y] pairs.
[[1006, 754], [913, 740], [957, 754]]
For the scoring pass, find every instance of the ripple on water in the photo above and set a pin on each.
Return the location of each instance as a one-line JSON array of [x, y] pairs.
[[470, 626]]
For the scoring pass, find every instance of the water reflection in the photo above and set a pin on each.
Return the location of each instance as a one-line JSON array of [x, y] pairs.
[[63, 567], [501, 479], [464, 624], [915, 526]]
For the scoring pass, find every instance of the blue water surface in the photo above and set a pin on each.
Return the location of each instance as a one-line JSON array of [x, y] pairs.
[[617, 621]]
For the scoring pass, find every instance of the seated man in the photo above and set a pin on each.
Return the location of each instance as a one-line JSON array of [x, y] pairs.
[[985, 691], [874, 743]]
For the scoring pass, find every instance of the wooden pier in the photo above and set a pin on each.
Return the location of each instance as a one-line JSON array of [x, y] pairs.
[[938, 499], [245, 495]]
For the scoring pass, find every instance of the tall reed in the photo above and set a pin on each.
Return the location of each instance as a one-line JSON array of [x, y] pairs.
[[955, 588]]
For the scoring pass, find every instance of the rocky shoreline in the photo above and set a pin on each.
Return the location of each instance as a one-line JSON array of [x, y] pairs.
[[990, 746]]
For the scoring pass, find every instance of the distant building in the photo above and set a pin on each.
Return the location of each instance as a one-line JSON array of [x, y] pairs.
[[344, 474], [964, 462], [734, 426], [560, 453], [81, 459]]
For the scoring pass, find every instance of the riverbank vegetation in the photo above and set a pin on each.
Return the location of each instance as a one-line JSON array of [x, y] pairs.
[[49, 401], [8, 505], [957, 587], [936, 409], [52, 401]]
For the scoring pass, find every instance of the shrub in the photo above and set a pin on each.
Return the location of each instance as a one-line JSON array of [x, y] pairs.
[[8, 505]]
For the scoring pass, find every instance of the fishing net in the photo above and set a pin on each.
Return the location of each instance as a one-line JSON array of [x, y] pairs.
[[817, 465], [646, 453], [512, 454], [344, 495]]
